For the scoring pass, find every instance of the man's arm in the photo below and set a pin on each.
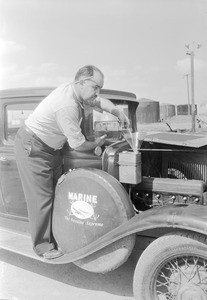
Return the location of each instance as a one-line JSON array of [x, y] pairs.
[[70, 127], [108, 106], [87, 146]]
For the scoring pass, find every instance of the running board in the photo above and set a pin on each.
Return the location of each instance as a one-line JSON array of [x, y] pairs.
[[17, 242]]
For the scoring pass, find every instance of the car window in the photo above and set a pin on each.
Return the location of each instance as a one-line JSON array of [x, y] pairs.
[[15, 115]]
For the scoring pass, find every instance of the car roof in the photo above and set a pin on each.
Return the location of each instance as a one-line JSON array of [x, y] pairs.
[[44, 91]]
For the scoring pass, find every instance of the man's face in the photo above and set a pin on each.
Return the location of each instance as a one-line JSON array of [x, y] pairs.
[[91, 88]]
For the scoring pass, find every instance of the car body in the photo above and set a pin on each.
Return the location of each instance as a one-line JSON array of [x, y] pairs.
[[165, 179]]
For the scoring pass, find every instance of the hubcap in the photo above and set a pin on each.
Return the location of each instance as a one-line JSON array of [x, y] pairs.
[[183, 278]]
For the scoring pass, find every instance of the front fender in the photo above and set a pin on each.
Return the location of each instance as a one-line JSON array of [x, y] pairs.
[[189, 217]]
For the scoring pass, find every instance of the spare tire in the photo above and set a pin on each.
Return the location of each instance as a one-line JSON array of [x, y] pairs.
[[88, 204]]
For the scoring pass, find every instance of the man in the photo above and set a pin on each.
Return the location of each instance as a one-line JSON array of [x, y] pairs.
[[38, 147]]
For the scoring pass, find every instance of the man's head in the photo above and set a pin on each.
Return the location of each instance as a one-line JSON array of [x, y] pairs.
[[88, 82]]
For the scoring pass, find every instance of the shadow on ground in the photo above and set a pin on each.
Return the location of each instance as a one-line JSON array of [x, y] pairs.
[[118, 282]]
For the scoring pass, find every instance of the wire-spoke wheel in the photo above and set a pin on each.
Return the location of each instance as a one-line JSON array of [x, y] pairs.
[[182, 276], [173, 267]]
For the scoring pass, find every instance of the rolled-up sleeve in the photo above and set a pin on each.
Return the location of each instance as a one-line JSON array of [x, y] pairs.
[[67, 120]]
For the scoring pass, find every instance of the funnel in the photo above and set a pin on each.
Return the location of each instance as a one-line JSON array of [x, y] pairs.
[[134, 139]]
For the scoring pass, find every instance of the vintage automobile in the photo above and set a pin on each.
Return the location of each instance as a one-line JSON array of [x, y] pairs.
[[154, 185]]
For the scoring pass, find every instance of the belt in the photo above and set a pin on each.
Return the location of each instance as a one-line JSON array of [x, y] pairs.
[[36, 137]]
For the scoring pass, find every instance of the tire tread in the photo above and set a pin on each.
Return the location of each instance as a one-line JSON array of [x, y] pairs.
[[182, 240]]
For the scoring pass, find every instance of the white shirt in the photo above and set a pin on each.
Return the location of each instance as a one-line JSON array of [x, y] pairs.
[[57, 118]]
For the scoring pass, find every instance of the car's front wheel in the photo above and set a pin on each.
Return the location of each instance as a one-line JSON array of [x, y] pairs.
[[173, 267]]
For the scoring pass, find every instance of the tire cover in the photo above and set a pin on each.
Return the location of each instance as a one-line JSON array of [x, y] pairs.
[[88, 204]]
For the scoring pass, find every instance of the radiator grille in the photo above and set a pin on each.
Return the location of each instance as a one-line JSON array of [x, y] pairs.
[[185, 167]]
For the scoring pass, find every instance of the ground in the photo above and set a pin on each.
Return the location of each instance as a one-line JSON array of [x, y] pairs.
[[23, 278]]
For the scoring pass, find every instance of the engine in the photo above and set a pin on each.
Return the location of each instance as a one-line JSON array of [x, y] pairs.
[[155, 179], [152, 192]]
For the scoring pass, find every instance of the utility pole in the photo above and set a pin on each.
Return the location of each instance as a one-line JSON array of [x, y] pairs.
[[191, 52], [188, 93]]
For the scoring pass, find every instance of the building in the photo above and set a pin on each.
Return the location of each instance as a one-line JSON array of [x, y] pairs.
[[167, 111], [182, 109]]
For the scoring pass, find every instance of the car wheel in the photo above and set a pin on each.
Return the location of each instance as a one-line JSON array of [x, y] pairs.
[[173, 266]]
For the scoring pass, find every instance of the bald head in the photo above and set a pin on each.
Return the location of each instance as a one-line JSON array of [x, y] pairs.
[[88, 71]]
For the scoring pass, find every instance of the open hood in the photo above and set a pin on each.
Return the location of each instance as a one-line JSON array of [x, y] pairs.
[[179, 139]]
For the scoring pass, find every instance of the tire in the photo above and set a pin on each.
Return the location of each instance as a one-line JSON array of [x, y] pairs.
[[88, 204], [173, 266]]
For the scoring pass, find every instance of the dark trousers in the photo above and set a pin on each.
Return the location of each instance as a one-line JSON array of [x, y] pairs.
[[39, 168]]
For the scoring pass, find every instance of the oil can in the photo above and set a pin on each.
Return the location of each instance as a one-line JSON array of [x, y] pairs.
[[130, 167]]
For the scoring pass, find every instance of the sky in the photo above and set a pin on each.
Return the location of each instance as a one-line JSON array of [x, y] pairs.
[[140, 45]]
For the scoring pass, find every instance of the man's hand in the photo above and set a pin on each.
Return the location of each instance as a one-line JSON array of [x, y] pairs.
[[124, 121], [100, 141], [89, 146]]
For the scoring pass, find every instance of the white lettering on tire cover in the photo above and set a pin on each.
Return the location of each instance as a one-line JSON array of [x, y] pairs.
[[82, 210]]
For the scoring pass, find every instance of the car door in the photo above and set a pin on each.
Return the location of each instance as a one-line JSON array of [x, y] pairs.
[[12, 200]]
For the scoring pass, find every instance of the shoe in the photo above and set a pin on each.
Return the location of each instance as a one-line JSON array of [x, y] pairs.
[[53, 253]]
